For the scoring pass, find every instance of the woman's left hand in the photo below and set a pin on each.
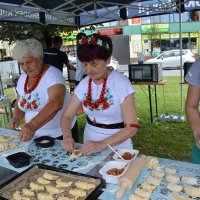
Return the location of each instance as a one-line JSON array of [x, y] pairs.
[[91, 147], [26, 133]]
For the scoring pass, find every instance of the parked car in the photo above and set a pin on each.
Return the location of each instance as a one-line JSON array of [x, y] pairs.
[[113, 63], [171, 59]]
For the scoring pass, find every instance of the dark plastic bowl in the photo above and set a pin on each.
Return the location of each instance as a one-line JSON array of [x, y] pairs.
[[44, 141], [19, 159]]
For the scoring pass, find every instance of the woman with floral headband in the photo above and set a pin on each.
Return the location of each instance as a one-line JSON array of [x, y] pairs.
[[107, 99]]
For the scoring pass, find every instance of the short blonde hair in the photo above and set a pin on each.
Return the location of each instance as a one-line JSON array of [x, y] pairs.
[[27, 47]]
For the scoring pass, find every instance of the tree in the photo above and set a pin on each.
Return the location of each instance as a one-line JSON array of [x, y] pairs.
[[11, 32], [155, 38]]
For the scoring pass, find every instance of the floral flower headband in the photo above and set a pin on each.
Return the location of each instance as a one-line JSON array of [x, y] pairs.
[[94, 41]]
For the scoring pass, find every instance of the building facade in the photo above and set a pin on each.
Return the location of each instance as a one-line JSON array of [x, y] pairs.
[[152, 35]]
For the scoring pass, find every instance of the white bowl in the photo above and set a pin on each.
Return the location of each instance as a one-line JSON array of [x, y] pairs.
[[122, 151], [109, 165]]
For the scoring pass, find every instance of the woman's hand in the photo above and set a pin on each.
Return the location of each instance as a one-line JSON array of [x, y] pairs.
[[68, 143], [27, 132], [91, 147], [14, 123]]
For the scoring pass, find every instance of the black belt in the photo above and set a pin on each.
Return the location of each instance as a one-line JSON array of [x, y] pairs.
[[106, 126]]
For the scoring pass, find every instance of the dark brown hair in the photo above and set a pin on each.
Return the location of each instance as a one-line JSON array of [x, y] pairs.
[[80, 35], [57, 40], [89, 52]]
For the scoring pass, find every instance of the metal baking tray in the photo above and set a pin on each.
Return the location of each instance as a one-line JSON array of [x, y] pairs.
[[6, 174], [23, 180]]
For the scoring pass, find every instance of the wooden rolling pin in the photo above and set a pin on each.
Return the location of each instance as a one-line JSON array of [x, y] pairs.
[[127, 181]]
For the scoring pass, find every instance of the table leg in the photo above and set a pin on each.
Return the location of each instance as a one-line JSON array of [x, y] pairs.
[[4, 121], [150, 104], [10, 111], [7, 114], [156, 102]]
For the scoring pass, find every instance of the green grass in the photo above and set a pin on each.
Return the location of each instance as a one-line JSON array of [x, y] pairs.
[[167, 139], [161, 139]]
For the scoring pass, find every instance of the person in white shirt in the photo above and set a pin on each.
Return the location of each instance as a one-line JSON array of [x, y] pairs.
[[41, 94], [107, 98]]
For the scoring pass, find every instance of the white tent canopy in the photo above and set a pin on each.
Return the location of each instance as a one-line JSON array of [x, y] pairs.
[[85, 12]]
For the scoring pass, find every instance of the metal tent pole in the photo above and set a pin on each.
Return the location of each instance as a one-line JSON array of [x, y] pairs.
[[1, 87], [181, 47]]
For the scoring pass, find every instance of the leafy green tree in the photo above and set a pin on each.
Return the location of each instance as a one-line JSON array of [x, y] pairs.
[[11, 32]]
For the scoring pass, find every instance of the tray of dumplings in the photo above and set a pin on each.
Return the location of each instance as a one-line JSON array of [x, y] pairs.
[[10, 143], [44, 182], [169, 180]]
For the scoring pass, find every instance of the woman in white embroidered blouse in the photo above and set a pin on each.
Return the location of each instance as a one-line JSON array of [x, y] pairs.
[[41, 93], [107, 99]]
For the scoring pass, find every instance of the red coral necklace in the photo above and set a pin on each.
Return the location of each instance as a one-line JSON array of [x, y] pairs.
[[28, 91], [102, 100]]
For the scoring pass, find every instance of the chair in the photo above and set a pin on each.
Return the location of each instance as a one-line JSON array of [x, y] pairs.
[[186, 67], [5, 111]]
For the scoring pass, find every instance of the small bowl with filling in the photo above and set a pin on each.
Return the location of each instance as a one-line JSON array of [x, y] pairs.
[[44, 141], [113, 170], [127, 154]]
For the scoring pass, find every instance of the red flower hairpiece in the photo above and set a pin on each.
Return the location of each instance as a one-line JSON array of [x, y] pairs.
[[84, 40], [93, 41]]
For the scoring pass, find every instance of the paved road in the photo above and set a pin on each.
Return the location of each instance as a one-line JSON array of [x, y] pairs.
[[124, 70]]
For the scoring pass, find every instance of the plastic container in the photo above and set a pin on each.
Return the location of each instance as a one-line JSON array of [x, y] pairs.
[[110, 165], [19, 159], [44, 141], [172, 118], [122, 151]]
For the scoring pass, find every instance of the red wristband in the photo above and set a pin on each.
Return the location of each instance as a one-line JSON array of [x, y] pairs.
[[132, 125]]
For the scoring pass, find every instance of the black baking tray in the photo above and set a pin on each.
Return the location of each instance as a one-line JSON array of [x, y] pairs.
[[6, 174], [93, 195]]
